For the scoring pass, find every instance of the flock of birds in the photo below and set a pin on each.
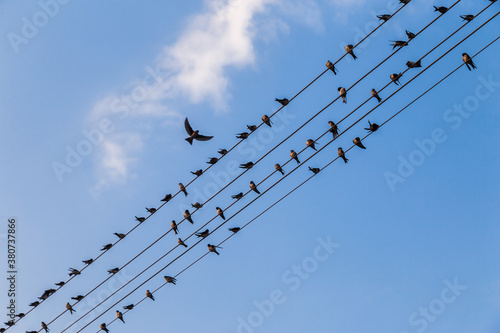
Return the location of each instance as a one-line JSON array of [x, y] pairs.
[[195, 135]]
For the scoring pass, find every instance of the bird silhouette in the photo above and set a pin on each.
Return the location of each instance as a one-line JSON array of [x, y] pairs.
[[372, 127], [467, 18], [203, 234], [311, 143], [314, 170], [213, 248], [170, 279], [253, 187], [119, 235], [343, 94], [294, 156], [341, 154], [222, 151], [213, 160], [251, 128], [267, 120], [113, 270], [220, 212], [119, 315], [149, 295], [349, 49], [410, 35], [375, 94], [151, 210], [140, 219], [73, 272], [442, 10], [45, 327], [333, 129], [197, 173], [197, 205], [129, 307], [78, 298], [283, 101], [173, 225], [181, 242], [279, 169], [104, 328], [60, 284], [237, 196], [357, 142], [167, 198], [242, 135], [88, 261], [395, 78], [247, 165], [235, 229], [34, 304], [183, 189], [331, 67], [194, 135], [70, 308], [398, 43], [384, 17], [468, 61], [415, 64], [106, 247], [187, 216]]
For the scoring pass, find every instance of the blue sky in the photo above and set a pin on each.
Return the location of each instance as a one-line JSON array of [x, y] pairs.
[[427, 241]]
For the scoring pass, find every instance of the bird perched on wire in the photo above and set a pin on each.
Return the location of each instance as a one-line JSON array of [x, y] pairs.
[[173, 225], [203, 234], [34, 304], [222, 151], [467, 18], [412, 64], [167, 198], [70, 308], [442, 10], [213, 160], [237, 196], [410, 35], [220, 212], [45, 327], [283, 101], [341, 154], [314, 170], [343, 94], [149, 295], [129, 307], [197, 205], [119, 315], [384, 17], [104, 328], [10, 323], [398, 43], [194, 135], [140, 219], [60, 284], [113, 270], [197, 173], [395, 78], [251, 128], [119, 235], [78, 298], [247, 165], [468, 61], [375, 94], [357, 142], [242, 135], [73, 272], [170, 279], [333, 129], [234, 230], [187, 216], [20, 315], [311, 144], [279, 169], [405, 2], [294, 156], [253, 187], [331, 67], [372, 127], [181, 242], [88, 261], [151, 210], [183, 189], [267, 120], [349, 49], [213, 248]]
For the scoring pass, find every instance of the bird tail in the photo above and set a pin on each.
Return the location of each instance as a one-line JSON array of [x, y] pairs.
[[379, 99], [190, 140], [435, 8], [353, 55]]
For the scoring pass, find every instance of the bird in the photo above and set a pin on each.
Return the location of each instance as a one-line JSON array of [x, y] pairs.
[[197, 173], [119, 315], [251, 128], [220, 212], [60, 284], [78, 298], [194, 135], [343, 94], [294, 156], [395, 78], [20, 315], [197, 205], [341, 154], [149, 295], [88, 261], [467, 18], [180, 242], [333, 129], [34, 304], [253, 187], [375, 94], [213, 160], [398, 43], [372, 127], [104, 328], [222, 151], [279, 169], [203, 234], [283, 101], [173, 225], [70, 308], [410, 35], [314, 170], [10, 323], [237, 196], [357, 142], [442, 10], [129, 307], [267, 120], [331, 67], [151, 210], [384, 17], [349, 49], [412, 64], [113, 270], [405, 2], [73, 272], [170, 279], [183, 189], [242, 135], [119, 235], [247, 165], [140, 219], [468, 61], [234, 230], [187, 216], [213, 248], [167, 198], [45, 327], [311, 143]]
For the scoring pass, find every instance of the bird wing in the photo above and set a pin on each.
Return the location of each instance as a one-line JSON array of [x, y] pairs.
[[188, 127], [203, 138]]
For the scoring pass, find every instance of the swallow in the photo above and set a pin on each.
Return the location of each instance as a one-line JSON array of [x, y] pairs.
[[333, 129], [173, 225], [26, 331], [129, 307], [213, 248], [194, 135], [253, 187], [372, 127], [279, 169], [410, 35], [398, 43], [183, 189], [404, 2], [266, 120], [213, 160], [251, 128], [151, 210], [10, 323], [311, 143], [349, 49], [220, 212], [294, 156], [140, 219], [70, 308], [78, 298], [149, 295], [167, 198], [119, 315], [467, 18], [395, 78], [442, 10], [314, 170], [203, 234], [197, 205], [343, 94], [384, 17], [187, 216], [73, 272], [34, 304], [412, 64], [88, 261], [222, 151], [103, 325], [341, 154], [20, 315], [247, 165], [375, 94], [234, 230], [243, 135], [283, 101], [119, 235], [468, 61], [170, 279], [180, 242], [357, 142], [60, 284], [237, 196], [113, 270], [197, 173], [45, 327], [331, 67]]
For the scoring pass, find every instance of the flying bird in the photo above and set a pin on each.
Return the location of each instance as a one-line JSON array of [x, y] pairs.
[[237, 196], [247, 165], [220, 212], [410, 35], [78, 298], [140, 219], [119, 235], [372, 127], [442, 10], [119, 315], [468, 61], [173, 225], [88, 261], [167, 198], [314, 170], [331, 67], [129, 307], [349, 49], [267, 120], [357, 142], [104, 328], [203, 234], [412, 64], [311, 143], [234, 230], [384, 17], [283, 101], [375, 94], [194, 135], [187, 216], [183, 189], [294, 156], [181, 242], [395, 78], [343, 94], [213, 248], [222, 151], [398, 43], [73, 272], [45, 327], [279, 169], [151, 210], [170, 279], [467, 18], [253, 187], [213, 160], [197, 205], [149, 295], [333, 129], [70, 308], [341, 154], [243, 135], [251, 128], [113, 270]]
